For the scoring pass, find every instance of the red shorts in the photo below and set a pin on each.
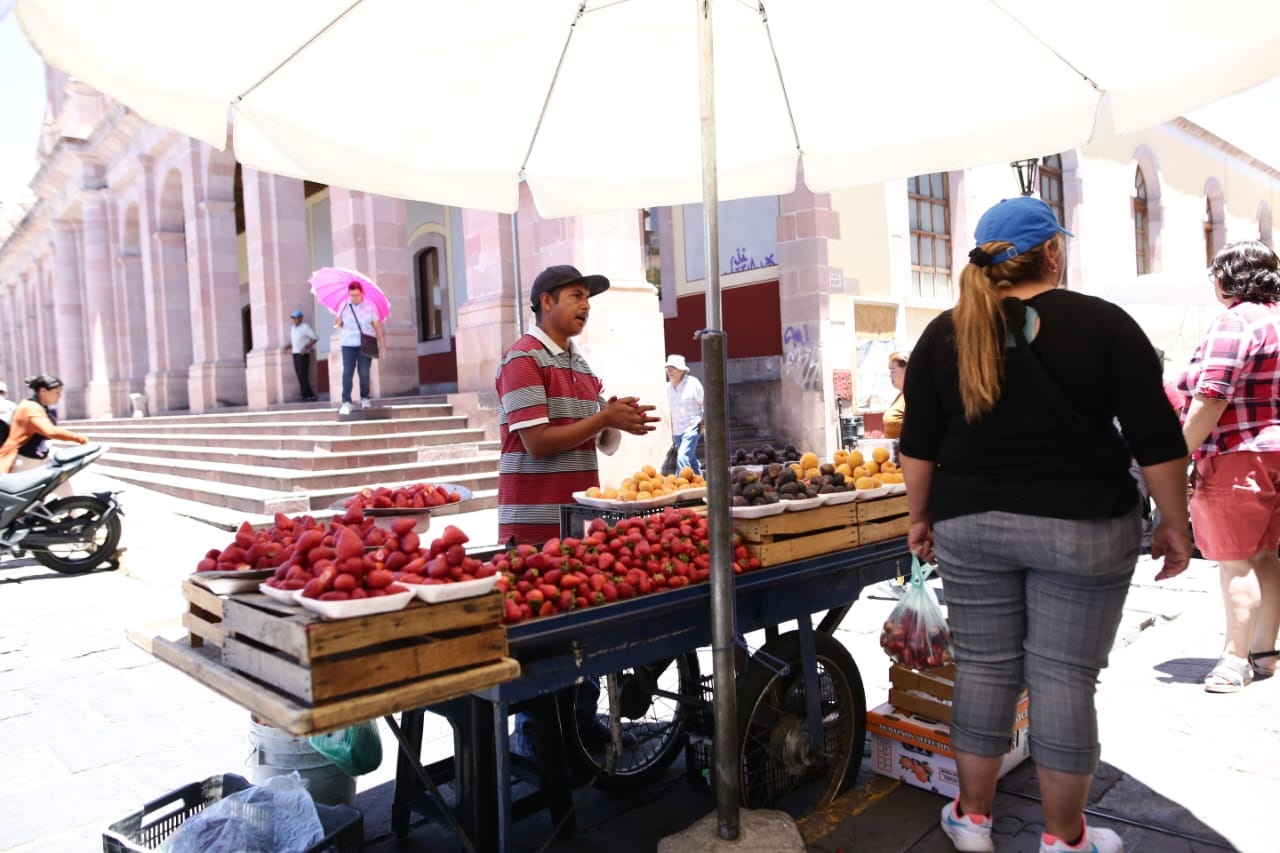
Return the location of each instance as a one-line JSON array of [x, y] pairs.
[[1235, 509]]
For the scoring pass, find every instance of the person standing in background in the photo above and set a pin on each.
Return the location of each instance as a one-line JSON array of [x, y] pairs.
[[1231, 424], [302, 343], [897, 374], [353, 317], [684, 393]]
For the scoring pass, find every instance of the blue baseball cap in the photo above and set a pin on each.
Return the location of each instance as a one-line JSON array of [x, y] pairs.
[[296, 314], [1025, 222]]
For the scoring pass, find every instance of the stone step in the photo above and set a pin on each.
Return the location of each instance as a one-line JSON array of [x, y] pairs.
[[400, 407], [354, 455], [327, 425], [281, 479], [225, 500], [142, 442]]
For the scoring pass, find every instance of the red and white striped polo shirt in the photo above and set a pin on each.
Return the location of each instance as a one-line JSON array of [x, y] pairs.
[[540, 383]]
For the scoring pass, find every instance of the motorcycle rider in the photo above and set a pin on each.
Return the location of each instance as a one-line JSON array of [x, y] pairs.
[[34, 421]]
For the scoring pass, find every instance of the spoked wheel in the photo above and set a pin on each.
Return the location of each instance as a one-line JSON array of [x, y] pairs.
[[655, 709], [84, 547], [777, 768]]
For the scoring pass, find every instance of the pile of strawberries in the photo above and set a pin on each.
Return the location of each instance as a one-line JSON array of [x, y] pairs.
[[417, 496], [637, 556], [349, 558]]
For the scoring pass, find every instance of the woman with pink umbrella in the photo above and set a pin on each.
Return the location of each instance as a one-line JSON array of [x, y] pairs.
[[357, 317]]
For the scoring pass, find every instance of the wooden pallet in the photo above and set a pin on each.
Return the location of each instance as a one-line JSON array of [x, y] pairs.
[[315, 661], [203, 616]]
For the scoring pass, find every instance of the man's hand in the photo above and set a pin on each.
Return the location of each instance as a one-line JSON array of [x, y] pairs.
[[626, 414]]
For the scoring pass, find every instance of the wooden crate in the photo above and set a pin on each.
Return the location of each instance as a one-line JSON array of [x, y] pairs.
[[203, 616], [316, 661], [796, 535], [885, 518], [927, 693]]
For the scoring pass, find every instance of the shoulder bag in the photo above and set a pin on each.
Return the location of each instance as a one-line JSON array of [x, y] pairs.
[[368, 343]]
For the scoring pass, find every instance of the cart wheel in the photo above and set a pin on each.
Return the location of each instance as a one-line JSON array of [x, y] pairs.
[[654, 713], [777, 770]]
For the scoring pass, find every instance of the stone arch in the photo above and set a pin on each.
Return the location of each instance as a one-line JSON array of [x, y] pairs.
[[1147, 166], [431, 239], [1265, 226], [1215, 226]]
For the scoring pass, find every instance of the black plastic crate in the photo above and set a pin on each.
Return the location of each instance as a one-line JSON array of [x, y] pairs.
[[147, 828], [699, 756], [574, 518]]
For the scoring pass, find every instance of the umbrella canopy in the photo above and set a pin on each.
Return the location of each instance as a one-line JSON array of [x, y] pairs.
[[596, 103], [330, 285]]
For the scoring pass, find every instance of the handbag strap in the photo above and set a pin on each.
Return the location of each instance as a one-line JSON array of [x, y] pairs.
[[357, 317], [1018, 313]]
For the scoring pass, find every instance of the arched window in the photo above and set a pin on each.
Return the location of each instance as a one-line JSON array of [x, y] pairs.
[[929, 201], [1215, 230], [1264, 224], [1051, 192], [1208, 232], [1141, 240], [426, 266]]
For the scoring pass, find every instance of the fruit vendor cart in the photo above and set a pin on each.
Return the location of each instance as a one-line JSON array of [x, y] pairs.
[[800, 700]]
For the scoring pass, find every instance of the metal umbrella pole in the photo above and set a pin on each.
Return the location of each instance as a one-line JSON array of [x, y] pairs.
[[727, 760]]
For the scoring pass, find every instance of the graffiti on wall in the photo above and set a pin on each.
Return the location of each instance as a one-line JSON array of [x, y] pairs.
[[802, 357], [741, 261]]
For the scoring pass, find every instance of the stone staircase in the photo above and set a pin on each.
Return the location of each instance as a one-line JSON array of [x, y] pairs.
[[296, 459]]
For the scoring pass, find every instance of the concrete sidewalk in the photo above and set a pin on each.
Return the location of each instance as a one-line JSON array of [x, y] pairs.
[[91, 728]]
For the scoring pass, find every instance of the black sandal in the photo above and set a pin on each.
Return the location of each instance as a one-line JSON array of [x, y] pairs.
[[1261, 671]]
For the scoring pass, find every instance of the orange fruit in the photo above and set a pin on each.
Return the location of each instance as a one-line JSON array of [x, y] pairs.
[[855, 458], [866, 483], [879, 454]]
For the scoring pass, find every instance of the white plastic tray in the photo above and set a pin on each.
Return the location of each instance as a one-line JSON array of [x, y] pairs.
[[763, 511], [601, 503], [692, 493], [434, 593], [284, 596], [872, 494], [832, 498], [896, 489], [357, 607], [225, 583], [801, 504]]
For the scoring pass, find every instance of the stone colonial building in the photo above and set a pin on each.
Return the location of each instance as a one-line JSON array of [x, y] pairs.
[[149, 263]]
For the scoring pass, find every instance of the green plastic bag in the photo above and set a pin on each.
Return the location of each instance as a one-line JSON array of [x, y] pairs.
[[356, 751]]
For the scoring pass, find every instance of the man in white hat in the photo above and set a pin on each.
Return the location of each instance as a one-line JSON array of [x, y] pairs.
[[684, 393]]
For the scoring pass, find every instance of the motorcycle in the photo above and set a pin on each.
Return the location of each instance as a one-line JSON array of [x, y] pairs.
[[71, 535]]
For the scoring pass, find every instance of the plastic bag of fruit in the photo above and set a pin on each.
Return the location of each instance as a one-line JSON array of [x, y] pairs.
[[916, 633]]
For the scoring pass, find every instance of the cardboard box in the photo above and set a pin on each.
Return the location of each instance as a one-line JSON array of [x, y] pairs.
[[918, 751]]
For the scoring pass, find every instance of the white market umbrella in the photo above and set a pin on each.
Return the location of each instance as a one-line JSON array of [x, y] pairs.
[[609, 104]]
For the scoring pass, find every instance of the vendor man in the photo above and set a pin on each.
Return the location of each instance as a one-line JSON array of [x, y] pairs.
[[551, 414]]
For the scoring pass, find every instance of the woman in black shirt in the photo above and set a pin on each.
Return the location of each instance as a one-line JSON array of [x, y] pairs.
[[1018, 478]]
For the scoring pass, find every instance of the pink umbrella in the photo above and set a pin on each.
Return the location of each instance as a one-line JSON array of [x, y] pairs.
[[330, 284]]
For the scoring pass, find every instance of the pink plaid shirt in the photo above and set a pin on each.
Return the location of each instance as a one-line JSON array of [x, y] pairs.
[[1239, 361]]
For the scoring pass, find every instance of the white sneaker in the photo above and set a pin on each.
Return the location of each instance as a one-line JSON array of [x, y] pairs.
[[1095, 840], [345, 410], [970, 833], [364, 404]]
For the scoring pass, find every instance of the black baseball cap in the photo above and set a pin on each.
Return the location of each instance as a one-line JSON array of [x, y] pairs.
[[560, 275]]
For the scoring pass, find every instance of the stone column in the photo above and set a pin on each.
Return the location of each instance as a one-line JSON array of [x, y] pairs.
[[217, 376], [69, 301], [131, 317], [487, 320], [169, 324], [103, 337], [279, 264], [369, 236], [805, 223]]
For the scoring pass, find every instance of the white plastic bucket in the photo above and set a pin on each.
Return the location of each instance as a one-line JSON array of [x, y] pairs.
[[277, 753]]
